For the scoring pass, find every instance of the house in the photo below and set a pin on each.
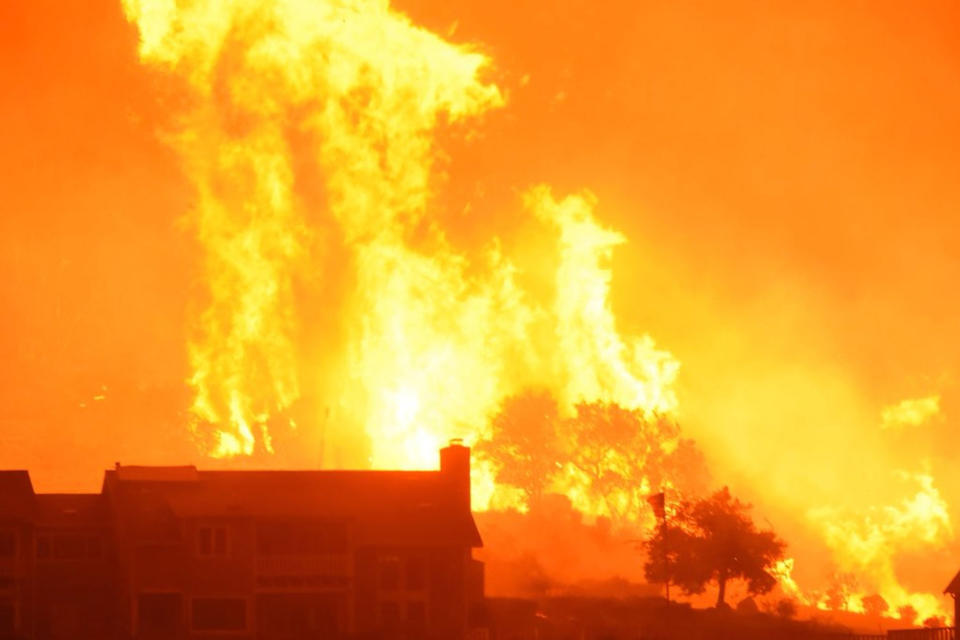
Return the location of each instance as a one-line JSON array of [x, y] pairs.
[[175, 552], [954, 590]]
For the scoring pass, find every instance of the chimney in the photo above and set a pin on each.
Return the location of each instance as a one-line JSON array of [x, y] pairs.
[[455, 466]]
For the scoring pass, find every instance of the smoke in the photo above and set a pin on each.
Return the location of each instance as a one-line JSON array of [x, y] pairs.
[[343, 321]]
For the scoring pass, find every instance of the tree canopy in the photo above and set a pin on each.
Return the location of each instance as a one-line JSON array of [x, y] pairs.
[[614, 455], [713, 540]]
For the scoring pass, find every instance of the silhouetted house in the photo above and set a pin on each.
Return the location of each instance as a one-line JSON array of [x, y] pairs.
[[954, 590], [173, 552]]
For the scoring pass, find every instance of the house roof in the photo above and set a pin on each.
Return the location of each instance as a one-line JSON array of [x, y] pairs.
[[954, 586], [384, 507], [16, 495], [70, 509], [136, 473]]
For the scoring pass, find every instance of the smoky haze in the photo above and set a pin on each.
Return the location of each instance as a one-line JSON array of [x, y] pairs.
[[784, 178]]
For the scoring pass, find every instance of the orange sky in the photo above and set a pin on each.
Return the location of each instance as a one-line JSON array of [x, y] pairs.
[[787, 177]]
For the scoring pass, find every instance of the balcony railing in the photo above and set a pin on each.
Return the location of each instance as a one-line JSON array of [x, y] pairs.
[[293, 564]]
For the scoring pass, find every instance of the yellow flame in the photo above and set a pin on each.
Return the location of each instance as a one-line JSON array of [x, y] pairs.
[[865, 544], [910, 413], [435, 340], [370, 86]]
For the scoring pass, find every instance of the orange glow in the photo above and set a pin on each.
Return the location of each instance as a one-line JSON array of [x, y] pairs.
[[339, 233]]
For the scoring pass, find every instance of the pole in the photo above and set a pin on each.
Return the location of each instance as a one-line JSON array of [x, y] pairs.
[[666, 583]]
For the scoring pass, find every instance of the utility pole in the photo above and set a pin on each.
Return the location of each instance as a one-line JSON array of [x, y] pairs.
[[659, 503]]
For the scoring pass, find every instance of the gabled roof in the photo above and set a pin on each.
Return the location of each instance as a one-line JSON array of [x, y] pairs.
[[954, 586], [384, 507], [16, 495], [135, 473], [70, 509]]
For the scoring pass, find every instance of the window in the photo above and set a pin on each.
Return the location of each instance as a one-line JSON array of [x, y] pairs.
[[389, 614], [389, 573], [416, 573], [417, 614], [69, 546], [219, 614], [43, 546], [8, 617], [159, 615], [8, 544], [212, 541], [311, 538]]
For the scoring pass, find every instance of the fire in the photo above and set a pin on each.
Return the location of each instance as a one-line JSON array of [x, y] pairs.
[[865, 544], [435, 338], [310, 137], [910, 413]]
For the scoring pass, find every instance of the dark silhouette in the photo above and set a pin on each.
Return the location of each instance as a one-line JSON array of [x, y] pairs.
[[525, 442], [907, 614], [616, 449], [874, 605], [713, 539], [172, 552], [954, 590]]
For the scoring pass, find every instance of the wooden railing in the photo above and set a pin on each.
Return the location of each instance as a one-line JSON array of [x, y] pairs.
[[321, 565], [939, 633]]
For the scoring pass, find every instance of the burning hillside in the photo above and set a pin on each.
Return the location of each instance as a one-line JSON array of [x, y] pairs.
[[336, 296], [401, 233]]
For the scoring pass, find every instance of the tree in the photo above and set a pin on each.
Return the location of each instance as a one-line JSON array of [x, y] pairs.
[[524, 442], [713, 540], [786, 608], [907, 614], [611, 456], [934, 622], [874, 605], [620, 450]]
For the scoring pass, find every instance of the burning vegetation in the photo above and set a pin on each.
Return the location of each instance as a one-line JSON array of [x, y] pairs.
[[339, 319]]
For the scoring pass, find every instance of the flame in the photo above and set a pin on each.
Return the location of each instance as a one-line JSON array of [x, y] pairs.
[[865, 544], [345, 97], [910, 413], [436, 338]]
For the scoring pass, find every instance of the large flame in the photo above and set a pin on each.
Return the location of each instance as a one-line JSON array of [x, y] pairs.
[[309, 135], [435, 339], [865, 545]]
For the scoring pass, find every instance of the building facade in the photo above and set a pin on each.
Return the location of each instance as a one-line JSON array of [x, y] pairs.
[[173, 552]]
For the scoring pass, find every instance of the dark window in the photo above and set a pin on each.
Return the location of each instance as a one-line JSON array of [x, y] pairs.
[[416, 573], [389, 573], [287, 538], [219, 614], [69, 547], [212, 541], [8, 544], [8, 617], [298, 615], [389, 614], [159, 615], [43, 546], [94, 547], [416, 614]]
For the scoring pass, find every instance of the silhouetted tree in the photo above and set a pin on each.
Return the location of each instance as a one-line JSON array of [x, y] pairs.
[[747, 606], [613, 454], [619, 449], [713, 539], [907, 614], [875, 605], [933, 622], [786, 608], [524, 442]]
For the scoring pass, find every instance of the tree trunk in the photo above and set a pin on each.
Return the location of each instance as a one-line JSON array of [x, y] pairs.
[[721, 592]]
